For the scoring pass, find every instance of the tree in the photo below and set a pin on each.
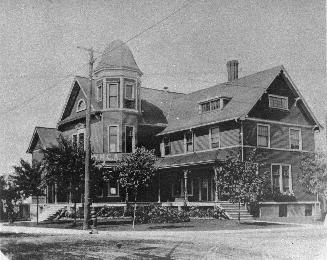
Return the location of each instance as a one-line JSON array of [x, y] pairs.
[[65, 164], [240, 179], [9, 197], [28, 179], [313, 175], [135, 170]]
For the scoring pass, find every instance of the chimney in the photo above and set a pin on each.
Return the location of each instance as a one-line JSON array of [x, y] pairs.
[[232, 69]]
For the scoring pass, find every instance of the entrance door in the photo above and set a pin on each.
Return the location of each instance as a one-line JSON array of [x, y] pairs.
[[204, 189]]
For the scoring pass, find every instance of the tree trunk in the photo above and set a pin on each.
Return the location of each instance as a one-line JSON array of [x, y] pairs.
[[239, 211], [37, 209], [134, 215], [75, 213]]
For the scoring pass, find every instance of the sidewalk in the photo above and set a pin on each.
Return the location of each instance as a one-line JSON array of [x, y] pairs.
[[164, 234]]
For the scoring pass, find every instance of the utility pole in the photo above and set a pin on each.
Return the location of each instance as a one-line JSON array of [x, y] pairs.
[[87, 144]]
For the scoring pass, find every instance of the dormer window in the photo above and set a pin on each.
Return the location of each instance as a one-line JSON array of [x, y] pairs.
[[214, 104], [81, 105], [279, 102]]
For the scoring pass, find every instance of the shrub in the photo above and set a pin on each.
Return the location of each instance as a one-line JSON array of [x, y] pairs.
[[158, 214], [206, 212]]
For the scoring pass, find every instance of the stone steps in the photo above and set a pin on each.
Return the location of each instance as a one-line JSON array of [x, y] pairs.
[[232, 210]]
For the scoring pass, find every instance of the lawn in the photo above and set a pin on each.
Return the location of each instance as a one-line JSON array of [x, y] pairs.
[[264, 243], [125, 225]]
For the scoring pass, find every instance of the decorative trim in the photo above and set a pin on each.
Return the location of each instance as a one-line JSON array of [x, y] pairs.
[[80, 103], [277, 149], [276, 122], [202, 151], [198, 126]]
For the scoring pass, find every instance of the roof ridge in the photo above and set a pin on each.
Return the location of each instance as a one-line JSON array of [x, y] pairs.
[[162, 90], [46, 127], [230, 82]]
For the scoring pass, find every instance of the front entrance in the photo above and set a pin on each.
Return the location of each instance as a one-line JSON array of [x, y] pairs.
[[203, 189]]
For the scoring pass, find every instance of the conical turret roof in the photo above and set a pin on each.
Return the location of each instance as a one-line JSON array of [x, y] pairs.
[[117, 55]]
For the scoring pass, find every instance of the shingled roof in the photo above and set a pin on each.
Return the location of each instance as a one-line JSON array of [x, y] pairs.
[[47, 136], [243, 93], [117, 55]]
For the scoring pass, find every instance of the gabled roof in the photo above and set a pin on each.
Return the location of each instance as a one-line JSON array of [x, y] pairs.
[[117, 55], [244, 93], [79, 83], [47, 136]]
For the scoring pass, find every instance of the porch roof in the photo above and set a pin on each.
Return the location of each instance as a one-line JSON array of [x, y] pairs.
[[195, 158]]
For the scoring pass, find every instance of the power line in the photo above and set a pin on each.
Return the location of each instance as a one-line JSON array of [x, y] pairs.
[[26, 101], [184, 5]]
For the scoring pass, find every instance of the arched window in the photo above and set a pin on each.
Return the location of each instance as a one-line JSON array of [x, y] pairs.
[[81, 105]]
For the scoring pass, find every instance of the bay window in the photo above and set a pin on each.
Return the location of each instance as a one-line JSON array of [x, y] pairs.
[[129, 100], [112, 95], [129, 139]]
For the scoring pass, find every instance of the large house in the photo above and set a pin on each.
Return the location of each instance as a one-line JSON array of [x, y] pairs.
[[264, 110]]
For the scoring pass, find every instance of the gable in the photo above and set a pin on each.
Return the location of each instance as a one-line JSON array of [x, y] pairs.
[[295, 114], [76, 95]]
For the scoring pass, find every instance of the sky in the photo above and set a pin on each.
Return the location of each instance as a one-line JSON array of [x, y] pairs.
[[39, 54]]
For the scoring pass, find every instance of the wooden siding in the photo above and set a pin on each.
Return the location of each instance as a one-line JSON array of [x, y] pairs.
[[294, 115], [279, 135], [229, 134], [201, 139], [267, 157], [177, 143]]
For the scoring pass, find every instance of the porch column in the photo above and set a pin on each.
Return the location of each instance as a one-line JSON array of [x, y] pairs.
[[216, 184], [70, 195], [159, 192], [185, 185], [55, 193]]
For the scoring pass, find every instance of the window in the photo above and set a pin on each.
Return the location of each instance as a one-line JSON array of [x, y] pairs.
[[81, 140], [214, 104], [78, 139], [189, 141], [112, 95], [279, 102], [295, 139], [129, 101], [129, 139], [113, 138], [166, 142], [113, 188], [178, 187], [215, 139], [275, 176], [205, 107], [74, 140], [283, 210], [129, 91], [99, 90], [281, 177], [263, 135], [81, 105], [308, 210]]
